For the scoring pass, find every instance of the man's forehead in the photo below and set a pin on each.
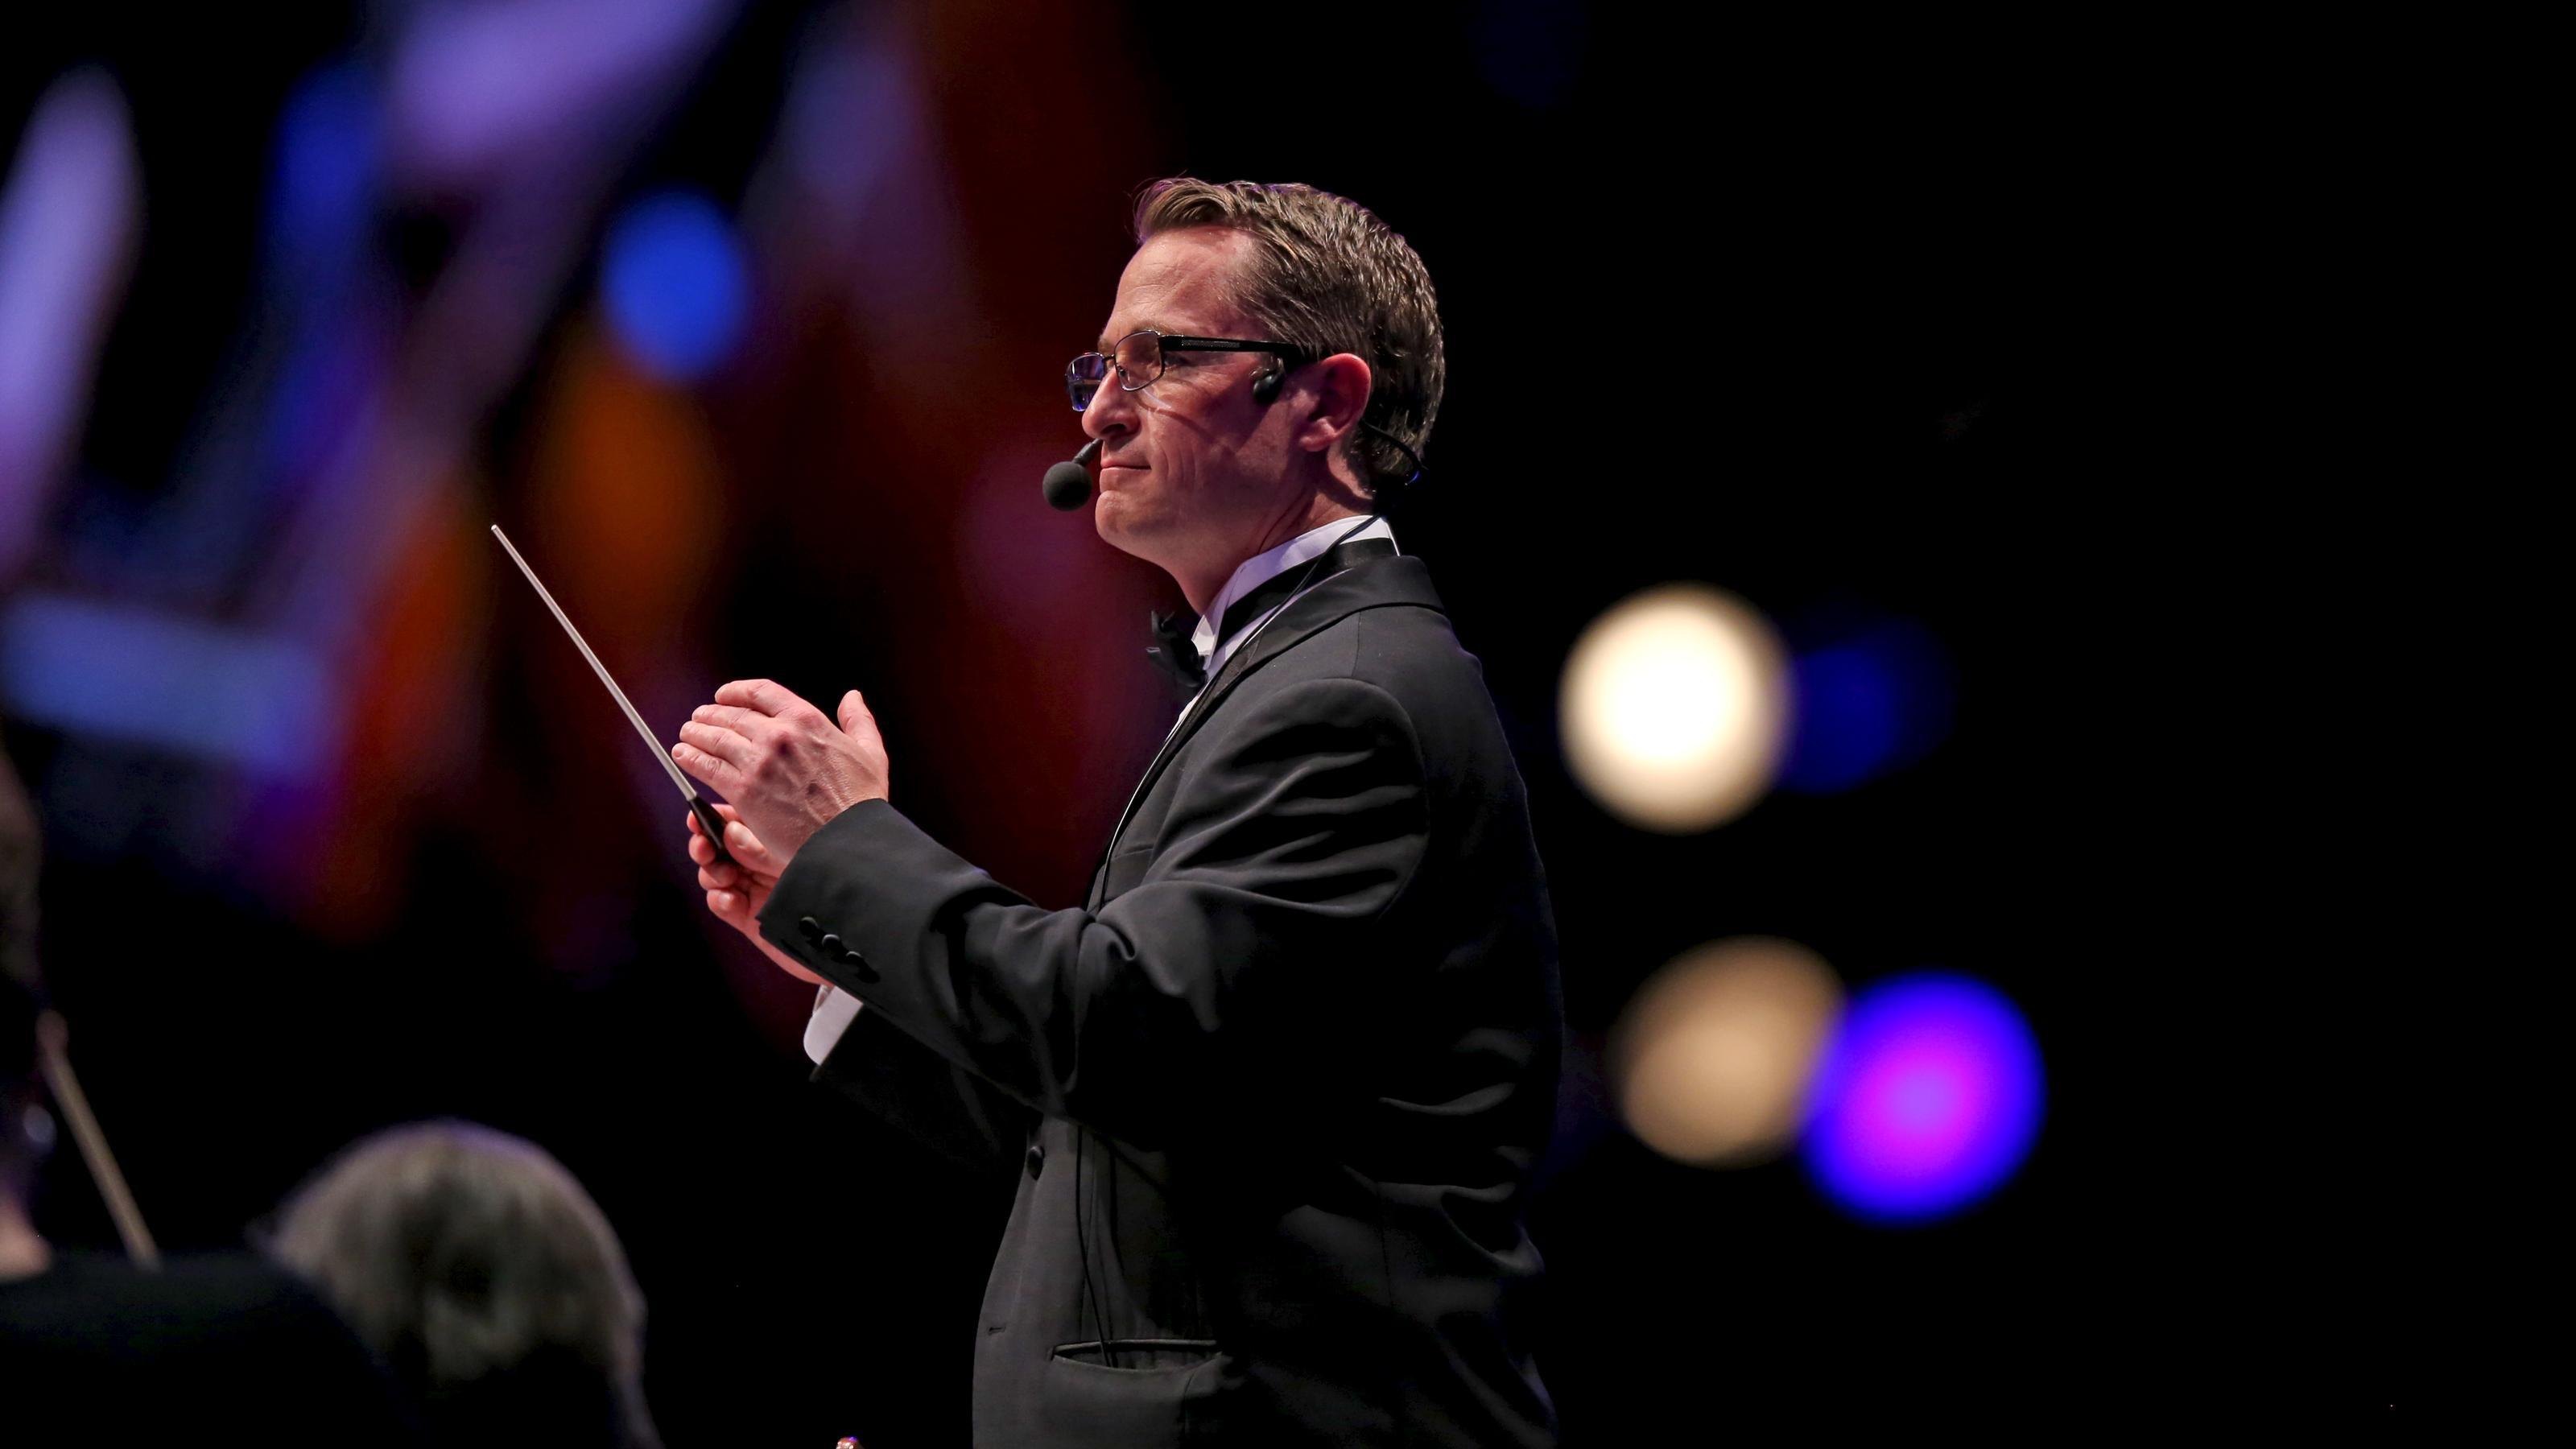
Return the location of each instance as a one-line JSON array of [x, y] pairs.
[[1177, 282]]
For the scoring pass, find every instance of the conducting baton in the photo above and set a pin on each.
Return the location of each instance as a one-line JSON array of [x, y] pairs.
[[708, 820]]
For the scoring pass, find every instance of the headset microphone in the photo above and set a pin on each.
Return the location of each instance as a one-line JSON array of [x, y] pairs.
[[1068, 484]]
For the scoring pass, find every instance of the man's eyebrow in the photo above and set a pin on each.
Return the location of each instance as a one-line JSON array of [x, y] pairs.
[[1106, 341]]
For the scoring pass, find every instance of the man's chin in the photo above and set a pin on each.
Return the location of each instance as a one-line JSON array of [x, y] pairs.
[[1121, 525]]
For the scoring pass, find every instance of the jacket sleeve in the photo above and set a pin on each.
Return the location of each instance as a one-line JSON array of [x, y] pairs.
[[1292, 831]]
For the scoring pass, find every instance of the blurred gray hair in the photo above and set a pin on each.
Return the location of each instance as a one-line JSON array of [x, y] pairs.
[[463, 1256]]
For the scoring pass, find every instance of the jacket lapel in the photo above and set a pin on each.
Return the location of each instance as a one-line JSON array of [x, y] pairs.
[[1376, 584]]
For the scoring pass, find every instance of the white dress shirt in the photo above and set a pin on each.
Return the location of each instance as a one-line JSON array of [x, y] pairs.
[[835, 1010]]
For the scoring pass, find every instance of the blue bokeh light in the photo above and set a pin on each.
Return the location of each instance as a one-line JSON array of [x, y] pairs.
[[675, 285], [1876, 699], [1928, 1099], [198, 690], [324, 177]]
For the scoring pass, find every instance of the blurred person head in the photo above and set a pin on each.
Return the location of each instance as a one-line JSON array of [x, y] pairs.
[[485, 1277], [1221, 455]]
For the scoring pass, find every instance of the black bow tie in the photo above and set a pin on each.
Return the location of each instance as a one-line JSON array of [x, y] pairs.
[[1177, 654]]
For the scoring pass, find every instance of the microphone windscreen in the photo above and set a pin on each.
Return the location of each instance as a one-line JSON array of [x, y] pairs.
[[1068, 486]]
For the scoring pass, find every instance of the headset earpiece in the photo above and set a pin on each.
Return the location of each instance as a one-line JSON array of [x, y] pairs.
[[1265, 388]]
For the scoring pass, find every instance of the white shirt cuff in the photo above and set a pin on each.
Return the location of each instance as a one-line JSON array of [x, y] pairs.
[[833, 1013]]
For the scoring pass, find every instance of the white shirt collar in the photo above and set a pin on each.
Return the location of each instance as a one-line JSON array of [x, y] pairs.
[[1259, 569]]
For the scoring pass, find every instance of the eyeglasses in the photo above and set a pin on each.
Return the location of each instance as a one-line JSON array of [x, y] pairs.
[[1139, 357]]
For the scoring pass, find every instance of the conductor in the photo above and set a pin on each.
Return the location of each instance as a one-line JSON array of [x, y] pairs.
[[1278, 1084]]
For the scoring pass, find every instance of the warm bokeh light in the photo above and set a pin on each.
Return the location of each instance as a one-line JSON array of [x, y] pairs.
[[1713, 1057], [1928, 1099], [1674, 706]]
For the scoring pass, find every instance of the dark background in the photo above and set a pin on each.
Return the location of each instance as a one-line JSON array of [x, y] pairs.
[[1833, 317]]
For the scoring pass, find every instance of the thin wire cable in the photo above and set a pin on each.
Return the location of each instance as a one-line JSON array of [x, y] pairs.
[[1082, 1244]]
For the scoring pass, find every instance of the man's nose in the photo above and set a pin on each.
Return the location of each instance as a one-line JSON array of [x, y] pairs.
[[1112, 410]]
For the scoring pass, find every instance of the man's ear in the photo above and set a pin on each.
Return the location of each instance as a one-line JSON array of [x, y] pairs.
[[1332, 397]]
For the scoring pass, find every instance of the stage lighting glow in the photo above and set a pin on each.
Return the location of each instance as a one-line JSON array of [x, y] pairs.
[[1673, 707], [675, 285], [322, 195], [1712, 1059], [1876, 699], [196, 689], [71, 202], [1929, 1098]]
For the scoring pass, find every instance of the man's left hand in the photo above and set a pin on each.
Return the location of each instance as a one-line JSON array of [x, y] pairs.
[[785, 768]]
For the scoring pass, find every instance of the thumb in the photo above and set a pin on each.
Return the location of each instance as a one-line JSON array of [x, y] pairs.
[[854, 713], [748, 851]]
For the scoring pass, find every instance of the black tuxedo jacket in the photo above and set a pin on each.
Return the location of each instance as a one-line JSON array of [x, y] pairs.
[[1275, 1090]]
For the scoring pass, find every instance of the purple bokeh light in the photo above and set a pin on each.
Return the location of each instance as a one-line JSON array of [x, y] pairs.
[[1928, 1098]]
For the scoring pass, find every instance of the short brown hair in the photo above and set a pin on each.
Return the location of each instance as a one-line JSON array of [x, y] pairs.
[[1328, 275]]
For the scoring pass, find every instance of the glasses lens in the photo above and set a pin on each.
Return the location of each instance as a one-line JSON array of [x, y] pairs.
[[1140, 359], [1082, 378]]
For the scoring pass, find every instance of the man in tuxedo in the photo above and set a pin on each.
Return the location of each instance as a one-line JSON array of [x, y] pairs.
[[1276, 1087]]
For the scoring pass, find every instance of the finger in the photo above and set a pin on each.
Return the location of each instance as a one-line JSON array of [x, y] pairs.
[[733, 748], [727, 811], [709, 858], [732, 717], [705, 768], [715, 872], [747, 848], [761, 696]]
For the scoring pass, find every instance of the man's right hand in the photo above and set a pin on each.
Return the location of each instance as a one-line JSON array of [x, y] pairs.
[[737, 889]]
